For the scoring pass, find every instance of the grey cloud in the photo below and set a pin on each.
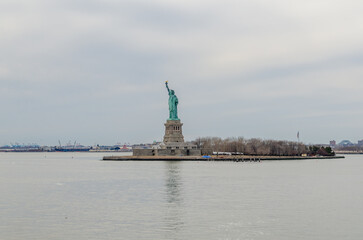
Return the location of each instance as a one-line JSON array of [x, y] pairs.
[[261, 68]]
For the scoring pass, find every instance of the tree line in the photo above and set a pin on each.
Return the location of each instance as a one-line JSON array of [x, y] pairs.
[[256, 146], [355, 148]]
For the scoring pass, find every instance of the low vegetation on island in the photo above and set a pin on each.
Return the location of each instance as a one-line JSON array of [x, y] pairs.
[[260, 147]]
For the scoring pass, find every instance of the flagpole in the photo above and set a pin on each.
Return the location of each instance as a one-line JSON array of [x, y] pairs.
[[298, 142]]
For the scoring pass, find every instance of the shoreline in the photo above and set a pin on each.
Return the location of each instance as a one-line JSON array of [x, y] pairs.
[[348, 152], [240, 158]]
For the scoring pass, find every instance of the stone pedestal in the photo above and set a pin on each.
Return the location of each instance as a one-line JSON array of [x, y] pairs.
[[173, 132], [173, 145]]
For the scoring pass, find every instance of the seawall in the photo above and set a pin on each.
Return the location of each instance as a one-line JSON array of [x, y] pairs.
[[241, 158]]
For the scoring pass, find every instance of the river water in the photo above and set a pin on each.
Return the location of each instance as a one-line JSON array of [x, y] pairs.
[[78, 196]]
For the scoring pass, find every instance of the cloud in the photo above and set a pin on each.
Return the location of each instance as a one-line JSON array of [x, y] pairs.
[[247, 61]]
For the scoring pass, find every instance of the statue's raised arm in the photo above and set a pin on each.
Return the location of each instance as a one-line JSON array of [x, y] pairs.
[[167, 87]]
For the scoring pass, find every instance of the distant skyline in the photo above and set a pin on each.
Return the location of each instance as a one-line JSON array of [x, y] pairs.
[[94, 71]]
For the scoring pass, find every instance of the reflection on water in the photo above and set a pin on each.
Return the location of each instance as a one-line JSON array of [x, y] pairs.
[[173, 183], [174, 198]]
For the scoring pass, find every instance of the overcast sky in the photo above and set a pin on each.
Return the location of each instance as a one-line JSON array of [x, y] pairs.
[[93, 71]]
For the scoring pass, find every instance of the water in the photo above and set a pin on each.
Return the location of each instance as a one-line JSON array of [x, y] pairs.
[[77, 196]]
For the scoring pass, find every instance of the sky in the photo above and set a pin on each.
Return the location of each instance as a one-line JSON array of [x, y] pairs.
[[93, 71]]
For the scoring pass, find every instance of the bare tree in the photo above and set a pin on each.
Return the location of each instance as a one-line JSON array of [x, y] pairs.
[[252, 146]]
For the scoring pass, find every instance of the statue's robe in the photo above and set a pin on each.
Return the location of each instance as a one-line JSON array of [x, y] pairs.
[[173, 106]]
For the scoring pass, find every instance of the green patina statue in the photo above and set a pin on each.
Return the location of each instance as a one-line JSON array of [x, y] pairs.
[[173, 104]]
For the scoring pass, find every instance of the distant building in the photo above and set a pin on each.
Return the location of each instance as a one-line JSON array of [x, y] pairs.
[[346, 143], [332, 143]]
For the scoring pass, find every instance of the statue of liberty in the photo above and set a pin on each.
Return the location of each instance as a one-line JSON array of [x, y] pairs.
[[173, 104]]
